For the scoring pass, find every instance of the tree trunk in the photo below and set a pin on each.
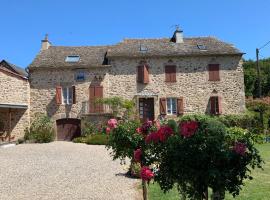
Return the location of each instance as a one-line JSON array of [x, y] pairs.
[[218, 194], [144, 190]]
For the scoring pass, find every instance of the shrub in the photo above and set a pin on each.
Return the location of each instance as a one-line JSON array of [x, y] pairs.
[[41, 130], [89, 128], [97, 139], [79, 140], [135, 169]]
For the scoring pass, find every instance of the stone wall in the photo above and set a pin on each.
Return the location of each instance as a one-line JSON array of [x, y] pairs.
[[14, 90], [192, 82], [120, 80]]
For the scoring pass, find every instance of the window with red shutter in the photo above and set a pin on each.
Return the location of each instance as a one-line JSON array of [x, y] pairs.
[[213, 70], [58, 96], [170, 73], [215, 105], [74, 94], [180, 106], [143, 74], [162, 106]]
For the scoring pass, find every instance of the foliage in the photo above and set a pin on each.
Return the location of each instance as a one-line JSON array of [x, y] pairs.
[[119, 106], [79, 140], [250, 77], [204, 159], [135, 169], [89, 128], [92, 139], [41, 130], [123, 140]]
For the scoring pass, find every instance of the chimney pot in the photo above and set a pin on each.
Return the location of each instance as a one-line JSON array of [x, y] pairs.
[[178, 36], [45, 43]]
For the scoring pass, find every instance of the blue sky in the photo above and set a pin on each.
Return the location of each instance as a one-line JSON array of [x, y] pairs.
[[245, 23]]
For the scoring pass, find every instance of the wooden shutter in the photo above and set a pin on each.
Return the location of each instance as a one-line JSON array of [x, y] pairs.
[[58, 95], [73, 94], [212, 105], [162, 106], [145, 74], [180, 106], [140, 70], [213, 70], [219, 105], [99, 95], [92, 99], [170, 73]]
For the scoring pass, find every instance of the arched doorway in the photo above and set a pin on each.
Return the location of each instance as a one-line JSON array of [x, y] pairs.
[[68, 128]]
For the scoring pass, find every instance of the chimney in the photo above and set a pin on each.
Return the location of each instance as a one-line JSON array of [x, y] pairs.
[[45, 44], [178, 36]]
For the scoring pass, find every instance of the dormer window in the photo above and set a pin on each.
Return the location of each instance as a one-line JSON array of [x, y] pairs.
[[72, 58], [80, 76]]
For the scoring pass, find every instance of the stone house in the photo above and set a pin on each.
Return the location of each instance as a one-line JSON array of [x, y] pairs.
[[166, 77], [14, 101]]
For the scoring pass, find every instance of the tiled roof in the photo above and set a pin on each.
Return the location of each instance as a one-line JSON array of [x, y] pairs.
[[97, 55], [55, 56], [18, 70], [164, 47]]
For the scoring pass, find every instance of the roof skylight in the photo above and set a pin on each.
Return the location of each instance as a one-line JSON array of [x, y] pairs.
[[201, 47], [72, 58]]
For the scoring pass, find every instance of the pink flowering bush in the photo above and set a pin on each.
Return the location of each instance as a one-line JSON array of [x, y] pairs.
[[138, 155], [240, 148], [112, 123], [188, 128], [146, 173]]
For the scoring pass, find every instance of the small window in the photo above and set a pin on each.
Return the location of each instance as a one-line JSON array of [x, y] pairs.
[[213, 70], [201, 47], [72, 58], [215, 105], [67, 95], [80, 76], [171, 106]]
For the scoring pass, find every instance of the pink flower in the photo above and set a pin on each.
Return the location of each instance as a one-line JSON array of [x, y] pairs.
[[138, 130], [157, 124], [138, 155], [188, 129], [112, 123], [146, 127], [240, 148], [164, 133], [146, 173], [152, 137], [108, 130]]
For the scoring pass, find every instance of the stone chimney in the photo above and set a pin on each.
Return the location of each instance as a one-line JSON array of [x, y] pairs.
[[178, 36], [45, 44]]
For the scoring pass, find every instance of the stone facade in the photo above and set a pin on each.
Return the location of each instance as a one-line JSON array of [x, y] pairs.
[[120, 80], [15, 91]]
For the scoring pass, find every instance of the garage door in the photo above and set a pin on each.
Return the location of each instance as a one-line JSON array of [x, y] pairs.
[[67, 129]]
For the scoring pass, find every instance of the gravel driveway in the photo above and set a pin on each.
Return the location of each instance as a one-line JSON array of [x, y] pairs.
[[63, 170]]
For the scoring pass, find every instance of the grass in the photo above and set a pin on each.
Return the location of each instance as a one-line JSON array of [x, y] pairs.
[[95, 139], [256, 189]]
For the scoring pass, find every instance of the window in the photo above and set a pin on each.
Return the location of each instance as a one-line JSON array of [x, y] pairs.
[[143, 74], [201, 47], [80, 76], [213, 70], [67, 95], [170, 73], [72, 58], [171, 106], [215, 105]]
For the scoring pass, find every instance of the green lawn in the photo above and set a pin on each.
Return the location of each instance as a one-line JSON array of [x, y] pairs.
[[256, 189]]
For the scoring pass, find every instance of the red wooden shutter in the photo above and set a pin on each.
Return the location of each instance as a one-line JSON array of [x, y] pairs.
[[180, 106], [162, 106], [213, 105], [170, 73], [92, 99], [73, 94], [58, 95], [219, 105], [145, 74], [213, 72], [140, 77], [98, 95]]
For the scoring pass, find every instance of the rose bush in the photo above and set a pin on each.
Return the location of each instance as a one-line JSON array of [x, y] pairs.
[[200, 153]]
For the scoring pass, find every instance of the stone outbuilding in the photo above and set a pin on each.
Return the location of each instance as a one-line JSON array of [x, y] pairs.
[[166, 77], [14, 101]]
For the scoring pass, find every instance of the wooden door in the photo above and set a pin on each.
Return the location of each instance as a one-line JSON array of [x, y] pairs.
[[146, 109], [67, 129]]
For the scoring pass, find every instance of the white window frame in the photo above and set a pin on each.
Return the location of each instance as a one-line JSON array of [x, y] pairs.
[[169, 106], [69, 91]]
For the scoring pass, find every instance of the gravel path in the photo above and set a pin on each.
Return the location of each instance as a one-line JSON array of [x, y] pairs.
[[63, 170]]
